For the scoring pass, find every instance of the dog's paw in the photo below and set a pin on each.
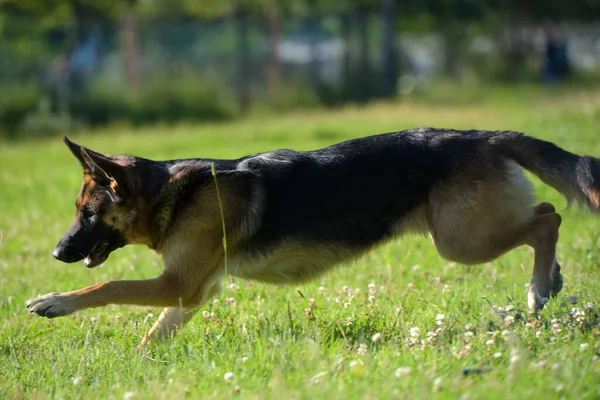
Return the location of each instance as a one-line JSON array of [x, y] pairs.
[[51, 305], [535, 300], [557, 281]]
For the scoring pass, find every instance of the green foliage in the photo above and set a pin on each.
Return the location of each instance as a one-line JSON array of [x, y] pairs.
[[16, 101], [160, 98], [355, 340]]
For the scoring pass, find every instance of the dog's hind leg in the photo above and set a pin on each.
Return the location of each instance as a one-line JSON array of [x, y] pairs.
[[173, 319], [480, 216]]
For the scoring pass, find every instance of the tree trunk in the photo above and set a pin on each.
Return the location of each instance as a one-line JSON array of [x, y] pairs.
[[243, 51], [389, 52]]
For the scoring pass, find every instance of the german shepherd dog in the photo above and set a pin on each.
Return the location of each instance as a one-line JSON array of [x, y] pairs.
[[289, 216]]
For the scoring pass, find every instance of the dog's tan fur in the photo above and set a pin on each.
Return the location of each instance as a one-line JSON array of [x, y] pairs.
[[482, 212]]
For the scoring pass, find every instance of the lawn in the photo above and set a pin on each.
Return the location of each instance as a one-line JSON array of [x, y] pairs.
[[399, 323]]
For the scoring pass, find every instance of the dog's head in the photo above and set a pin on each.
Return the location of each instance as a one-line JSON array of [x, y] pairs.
[[105, 211]]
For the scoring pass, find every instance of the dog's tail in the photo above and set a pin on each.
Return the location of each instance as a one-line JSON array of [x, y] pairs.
[[576, 177]]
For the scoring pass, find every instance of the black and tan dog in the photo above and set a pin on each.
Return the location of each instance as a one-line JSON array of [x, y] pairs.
[[289, 216]]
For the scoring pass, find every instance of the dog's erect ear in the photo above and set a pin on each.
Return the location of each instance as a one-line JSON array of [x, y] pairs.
[[103, 169], [76, 150]]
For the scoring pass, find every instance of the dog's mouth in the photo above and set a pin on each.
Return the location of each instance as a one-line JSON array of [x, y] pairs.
[[98, 255]]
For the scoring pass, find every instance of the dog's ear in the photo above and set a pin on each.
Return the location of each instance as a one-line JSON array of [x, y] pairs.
[[76, 150], [103, 169]]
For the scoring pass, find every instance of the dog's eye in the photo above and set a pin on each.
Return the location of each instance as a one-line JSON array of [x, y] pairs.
[[113, 218]]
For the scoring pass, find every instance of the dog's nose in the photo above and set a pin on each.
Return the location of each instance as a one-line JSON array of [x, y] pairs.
[[56, 253]]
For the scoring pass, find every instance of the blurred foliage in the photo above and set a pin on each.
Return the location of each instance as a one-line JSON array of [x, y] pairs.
[[28, 49]]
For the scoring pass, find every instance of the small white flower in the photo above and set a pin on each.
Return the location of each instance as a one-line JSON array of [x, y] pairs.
[[216, 302], [362, 349], [229, 377], [128, 395], [372, 288], [584, 346], [231, 301], [244, 359], [376, 337], [468, 336], [77, 380], [415, 332], [322, 289], [206, 314], [469, 327], [440, 319], [497, 355], [437, 384], [515, 358], [233, 287], [509, 320], [402, 371], [489, 343], [578, 314], [539, 334]]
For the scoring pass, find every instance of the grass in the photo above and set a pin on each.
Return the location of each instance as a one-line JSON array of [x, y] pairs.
[[349, 334]]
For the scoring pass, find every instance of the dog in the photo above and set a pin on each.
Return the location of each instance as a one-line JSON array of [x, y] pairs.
[[287, 216]]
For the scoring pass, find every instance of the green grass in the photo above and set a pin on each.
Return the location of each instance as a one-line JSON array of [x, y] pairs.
[[264, 334]]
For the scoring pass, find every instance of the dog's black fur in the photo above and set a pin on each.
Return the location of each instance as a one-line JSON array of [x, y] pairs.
[[291, 215]]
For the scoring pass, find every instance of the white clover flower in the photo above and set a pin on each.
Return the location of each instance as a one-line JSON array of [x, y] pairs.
[[362, 349], [468, 336], [228, 377], [440, 319], [489, 343], [402, 371], [584, 346], [77, 380], [578, 314], [414, 332], [376, 337], [322, 289], [233, 287], [469, 327], [509, 320], [497, 355], [231, 301], [128, 395], [372, 288]]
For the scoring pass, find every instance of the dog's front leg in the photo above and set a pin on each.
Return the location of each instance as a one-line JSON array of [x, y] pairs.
[[172, 319], [166, 290]]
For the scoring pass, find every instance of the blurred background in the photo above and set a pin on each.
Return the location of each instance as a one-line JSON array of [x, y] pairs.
[[68, 65]]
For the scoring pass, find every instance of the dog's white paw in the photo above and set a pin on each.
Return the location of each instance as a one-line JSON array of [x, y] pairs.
[[51, 305]]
